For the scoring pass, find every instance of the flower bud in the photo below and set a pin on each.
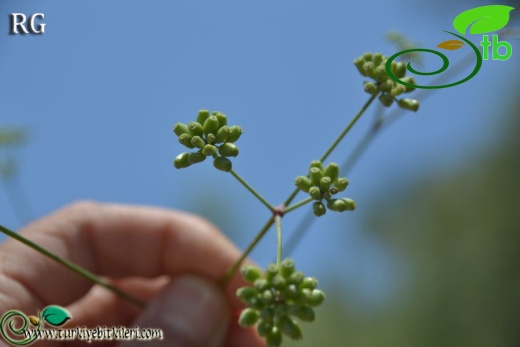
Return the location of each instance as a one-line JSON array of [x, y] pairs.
[[196, 157], [370, 69], [377, 59], [209, 150], [222, 134], [398, 90], [210, 125], [261, 284], [315, 175], [341, 184], [274, 339], [398, 69], [228, 150], [381, 75], [264, 328], [202, 116], [223, 164], [387, 86], [222, 119], [408, 104], [359, 62], [317, 164], [367, 56], [180, 129], [181, 161], [332, 171], [267, 297], [296, 278], [279, 282], [315, 193], [370, 88], [319, 209], [195, 129], [185, 140], [245, 294], [235, 132], [410, 80], [198, 142], [248, 317], [350, 204], [303, 183], [290, 328], [386, 100], [291, 292], [250, 273], [211, 139], [325, 183], [287, 267], [270, 272]]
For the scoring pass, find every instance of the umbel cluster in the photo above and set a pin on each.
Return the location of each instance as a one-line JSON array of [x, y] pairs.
[[209, 136]]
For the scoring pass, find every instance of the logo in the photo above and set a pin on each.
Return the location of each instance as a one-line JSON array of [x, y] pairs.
[[19, 329], [480, 21]]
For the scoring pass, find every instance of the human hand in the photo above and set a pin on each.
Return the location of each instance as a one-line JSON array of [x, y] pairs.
[[170, 259]]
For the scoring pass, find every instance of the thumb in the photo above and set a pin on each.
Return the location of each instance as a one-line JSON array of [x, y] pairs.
[[191, 311]]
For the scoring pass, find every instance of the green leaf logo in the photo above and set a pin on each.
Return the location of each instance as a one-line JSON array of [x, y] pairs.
[[483, 19], [55, 315]]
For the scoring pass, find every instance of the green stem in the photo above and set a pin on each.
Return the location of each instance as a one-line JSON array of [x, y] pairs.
[[254, 192], [278, 221], [73, 267], [296, 205], [233, 268]]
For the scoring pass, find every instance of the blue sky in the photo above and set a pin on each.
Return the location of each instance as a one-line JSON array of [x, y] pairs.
[[100, 91]]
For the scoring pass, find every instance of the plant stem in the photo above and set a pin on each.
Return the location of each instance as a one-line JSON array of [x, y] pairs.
[[233, 268], [278, 221], [296, 205], [254, 192], [73, 267]]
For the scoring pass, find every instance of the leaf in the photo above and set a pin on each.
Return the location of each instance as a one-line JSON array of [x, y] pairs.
[[483, 19], [55, 315], [451, 45]]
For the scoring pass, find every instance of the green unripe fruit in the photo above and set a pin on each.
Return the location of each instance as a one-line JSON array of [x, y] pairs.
[[332, 171], [211, 139], [377, 59], [325, 183], [264, 328], [408, 104], [291, 292], [248, 317], [296, 278], [202, 116], [287, 267], [198, 142], [319, 209], [315, 175], [370, 88], [180, 129], [350, 204], [250, 273], [181, 161], [337, 205], [185, 140], [316, 298], [270, 272], [341, 184], [305, 313], [195, 129], [309, 283], [210, 125], [274, 339], [246, 294], [278, 282], [359, 62], [303, 183], [209, 150], [315, 193], [223, 164], [267, 297], [222, 119], [222, 134], [317, 164], [197, 157], [235, 132], [386, 100], [228, 150], [261, 284], [290, 328]]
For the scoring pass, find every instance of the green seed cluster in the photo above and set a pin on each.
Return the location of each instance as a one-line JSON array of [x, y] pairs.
[[323, 183], [211, 135], [277, 299], [373, 66]]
